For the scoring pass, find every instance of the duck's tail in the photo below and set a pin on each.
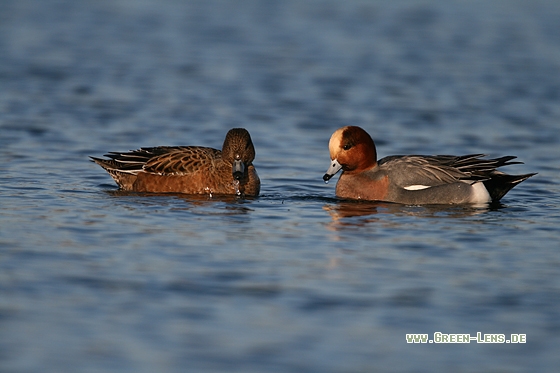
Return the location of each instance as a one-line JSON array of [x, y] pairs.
[[500, 183], [124, 178]]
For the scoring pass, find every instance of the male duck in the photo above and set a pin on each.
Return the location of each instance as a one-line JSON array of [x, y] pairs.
[[414, 179]]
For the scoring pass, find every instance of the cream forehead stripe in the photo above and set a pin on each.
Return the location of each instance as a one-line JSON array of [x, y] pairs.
[[335, 141]]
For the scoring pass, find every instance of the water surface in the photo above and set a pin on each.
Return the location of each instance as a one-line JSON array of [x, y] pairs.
[[95, 280]]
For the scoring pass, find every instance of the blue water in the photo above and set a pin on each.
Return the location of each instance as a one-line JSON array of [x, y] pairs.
[[95, 280]]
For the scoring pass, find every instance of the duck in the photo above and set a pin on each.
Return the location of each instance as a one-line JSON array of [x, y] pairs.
[[188, 169], [414, 179]]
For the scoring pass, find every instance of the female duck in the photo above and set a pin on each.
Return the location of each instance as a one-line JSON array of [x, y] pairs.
[[188, 169]]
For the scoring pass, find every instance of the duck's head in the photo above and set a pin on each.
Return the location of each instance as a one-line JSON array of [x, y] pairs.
[[352, 150], [238, 149]]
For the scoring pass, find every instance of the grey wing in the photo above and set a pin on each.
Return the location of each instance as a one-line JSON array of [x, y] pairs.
[[435, 170]]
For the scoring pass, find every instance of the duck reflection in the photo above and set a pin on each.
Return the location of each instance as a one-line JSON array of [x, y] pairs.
[[349, 213], [201, 204]]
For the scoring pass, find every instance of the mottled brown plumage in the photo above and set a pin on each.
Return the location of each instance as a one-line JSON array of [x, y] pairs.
[[188, 169]]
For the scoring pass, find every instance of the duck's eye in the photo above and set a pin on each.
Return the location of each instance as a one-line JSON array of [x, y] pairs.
[[347, 146]]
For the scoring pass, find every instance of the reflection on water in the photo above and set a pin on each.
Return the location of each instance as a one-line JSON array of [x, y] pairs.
[[343, 212], [192, 198], [204, 204]]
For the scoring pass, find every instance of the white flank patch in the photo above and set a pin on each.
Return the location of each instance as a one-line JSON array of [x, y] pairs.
[[480, 193], [416, 187]]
